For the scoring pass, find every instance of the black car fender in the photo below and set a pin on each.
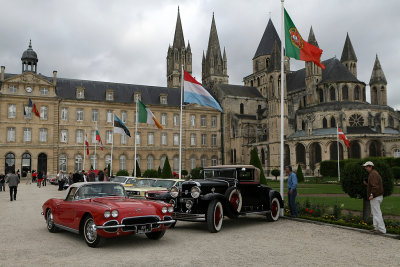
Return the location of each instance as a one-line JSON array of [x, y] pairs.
[[212, 196], [273, 194]]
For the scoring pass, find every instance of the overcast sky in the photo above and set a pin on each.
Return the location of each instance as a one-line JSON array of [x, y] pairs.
[[127, 41]]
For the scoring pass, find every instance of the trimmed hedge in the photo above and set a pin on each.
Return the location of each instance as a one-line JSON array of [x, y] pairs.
[[150, 173], [299, 174], [195, 173], [122, 173]]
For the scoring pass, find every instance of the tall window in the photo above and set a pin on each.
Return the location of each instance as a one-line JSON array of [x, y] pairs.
[[163, 119], [63, 162], [27, 135], [321, 95], [79, 114], [122, 162], [333, 122], [203, 161], [43, 135], [203, 139], [44, 91], [80, 93], [214, 161], [11, 134], [78, 163], [162, 161], [124, 116], [109, 137], [95, 115], [396, 153], [109, 115], [241, 108], [93, 136], [213, 121], [12, 111], [345, 93], [324, 123], [93, 161], [203, 121], [79, 136], [163, 100], [108, 159], [176, 139], [192, 163], [64, 136], [176, 163], [357, 93], [192, 120], [64, 114], [150, 162], [214, 140], [332, 94], [150, 138], [176, 120], [192, 139], [163, 138], [123, 139], [138, 138], [110, 96]]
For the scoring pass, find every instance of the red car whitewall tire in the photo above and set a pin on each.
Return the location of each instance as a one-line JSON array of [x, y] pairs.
[[92, 239], [50, 222]]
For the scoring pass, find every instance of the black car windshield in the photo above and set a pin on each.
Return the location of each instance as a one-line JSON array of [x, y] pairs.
[[164, 183], [220, 173], [100, 190], [119, 179]]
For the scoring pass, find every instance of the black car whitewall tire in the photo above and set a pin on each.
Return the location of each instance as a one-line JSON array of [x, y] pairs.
[[275, 210], [92, 239], [155, 235], [50, 222], [234, 197], [215, 216]]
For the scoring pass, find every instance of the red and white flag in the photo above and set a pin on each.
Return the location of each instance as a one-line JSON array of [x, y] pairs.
[[87, 144], [343, 137]]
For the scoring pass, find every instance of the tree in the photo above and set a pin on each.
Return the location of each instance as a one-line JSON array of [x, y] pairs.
[[150, 173], [122, 173], [353, 175], [138, 172], [159, 171], [396, 173], [195, 173], [166, 171], [276, 173], [255, 161], [299, 174], [184, 173]]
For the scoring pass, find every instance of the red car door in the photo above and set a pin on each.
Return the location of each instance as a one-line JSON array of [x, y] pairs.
[[65, 210]]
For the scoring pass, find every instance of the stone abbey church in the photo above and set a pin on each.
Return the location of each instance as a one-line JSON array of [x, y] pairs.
[[316, 101]]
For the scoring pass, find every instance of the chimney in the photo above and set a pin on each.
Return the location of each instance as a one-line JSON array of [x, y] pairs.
[[54, 77], [2, 73]]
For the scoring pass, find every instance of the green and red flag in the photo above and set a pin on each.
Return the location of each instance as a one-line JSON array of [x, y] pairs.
[[99, 139], [297, 48]]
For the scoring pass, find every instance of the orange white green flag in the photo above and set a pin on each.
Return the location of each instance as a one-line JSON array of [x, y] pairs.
[[146, 116]]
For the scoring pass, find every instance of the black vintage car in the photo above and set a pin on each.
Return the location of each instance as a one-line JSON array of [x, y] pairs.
[[230, 190]]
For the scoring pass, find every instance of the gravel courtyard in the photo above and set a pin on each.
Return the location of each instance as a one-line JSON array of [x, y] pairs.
[[248, 241]]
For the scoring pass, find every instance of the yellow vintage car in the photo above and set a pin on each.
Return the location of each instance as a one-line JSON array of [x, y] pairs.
[[141, 186]]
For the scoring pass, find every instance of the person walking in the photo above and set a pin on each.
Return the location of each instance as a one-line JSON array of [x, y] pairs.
[[44, 181], [375, 196], [2, 182], [92, 176], [60, 179], [292, 190], [13, 180], [34, 175], [39, 179]]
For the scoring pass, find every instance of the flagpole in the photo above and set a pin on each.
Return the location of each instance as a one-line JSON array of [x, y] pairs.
[[84, 153], [136, 123], [180, 128], [112, 146], [95, 145], [282, 100], [337, 139]]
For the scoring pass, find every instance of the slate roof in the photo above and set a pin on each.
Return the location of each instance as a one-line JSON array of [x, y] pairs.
[[360, 130], [239, 90], [267, 40]]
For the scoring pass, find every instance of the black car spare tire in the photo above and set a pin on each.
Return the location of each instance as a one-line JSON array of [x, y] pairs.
[[275, 210], [92, 239], [215, 216], [234, 198]]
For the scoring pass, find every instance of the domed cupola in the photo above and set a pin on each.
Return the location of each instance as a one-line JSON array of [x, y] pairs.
[[29, 59]]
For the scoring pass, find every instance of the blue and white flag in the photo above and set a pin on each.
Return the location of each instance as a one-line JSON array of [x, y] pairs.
[[119, 127], [194, 92]]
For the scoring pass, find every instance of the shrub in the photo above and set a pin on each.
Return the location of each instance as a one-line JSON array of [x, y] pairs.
[[138, 172], [184, 172], [166, 171], [122, 173], [299, 174], [328, 168], [195, 173], [150, 173], [255, 161], [396, 173], [276, 173]]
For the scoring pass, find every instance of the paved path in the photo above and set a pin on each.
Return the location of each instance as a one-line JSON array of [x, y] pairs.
[[249, 241]]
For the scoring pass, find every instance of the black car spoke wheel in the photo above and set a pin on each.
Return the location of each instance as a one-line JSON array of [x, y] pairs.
[[234, 197], [155, 235], [275, 210], [90, 232], [50, 222], [215, 216]]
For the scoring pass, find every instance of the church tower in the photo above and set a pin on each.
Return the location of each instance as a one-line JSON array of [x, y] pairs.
[[214, 64], [349, 58], [378, 85], [29, 60], [313, 73], [178, 55]]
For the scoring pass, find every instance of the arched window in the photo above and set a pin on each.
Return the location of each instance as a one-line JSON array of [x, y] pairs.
[[303, 125], [345, 93], [396, 153], [176, 163], [258, 81], [321, 95], [300, 154], [357, 93], [93, 162], [271, 86], [10, 162], [374, 149], [214, 161], [162, 161], [333, 122], [355, 150], [333, 151], [26, 162], [267, 62], [63, 162], [78, 163], [324, 123], [108, 159], [391, 122], [315, 154], [203, 161], [192, 162], [241, 108], [251, 83], [150, 162], [122, 162], [332, 94]]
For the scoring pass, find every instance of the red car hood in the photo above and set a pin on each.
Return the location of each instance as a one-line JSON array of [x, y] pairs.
[[128, 207]]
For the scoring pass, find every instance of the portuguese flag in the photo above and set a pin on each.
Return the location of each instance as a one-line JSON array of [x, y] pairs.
[[99, 139], [297, 48]]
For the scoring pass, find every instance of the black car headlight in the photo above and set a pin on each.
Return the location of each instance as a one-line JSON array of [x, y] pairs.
[[195, 192], [174, 192]]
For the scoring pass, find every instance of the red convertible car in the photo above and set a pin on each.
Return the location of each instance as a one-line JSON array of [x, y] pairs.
[[102, 209]]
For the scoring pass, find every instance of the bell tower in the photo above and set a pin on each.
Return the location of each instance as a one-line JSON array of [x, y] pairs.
[[29, 60]]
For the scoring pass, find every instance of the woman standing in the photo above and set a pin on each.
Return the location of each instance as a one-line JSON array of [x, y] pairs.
[[39, 179]]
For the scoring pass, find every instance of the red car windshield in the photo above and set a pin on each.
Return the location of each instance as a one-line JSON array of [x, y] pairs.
[[100, 190]]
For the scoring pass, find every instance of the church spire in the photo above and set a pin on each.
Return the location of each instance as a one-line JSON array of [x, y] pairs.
[[179, 41], [311, 38], [275, 61], [349, 58], [377, 75], [378, 84]]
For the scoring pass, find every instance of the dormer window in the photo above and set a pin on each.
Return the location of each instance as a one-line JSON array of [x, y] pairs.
[[80, 93], [13, 88], [44, 91], [110, 95], [138, 96], [163, 99]]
